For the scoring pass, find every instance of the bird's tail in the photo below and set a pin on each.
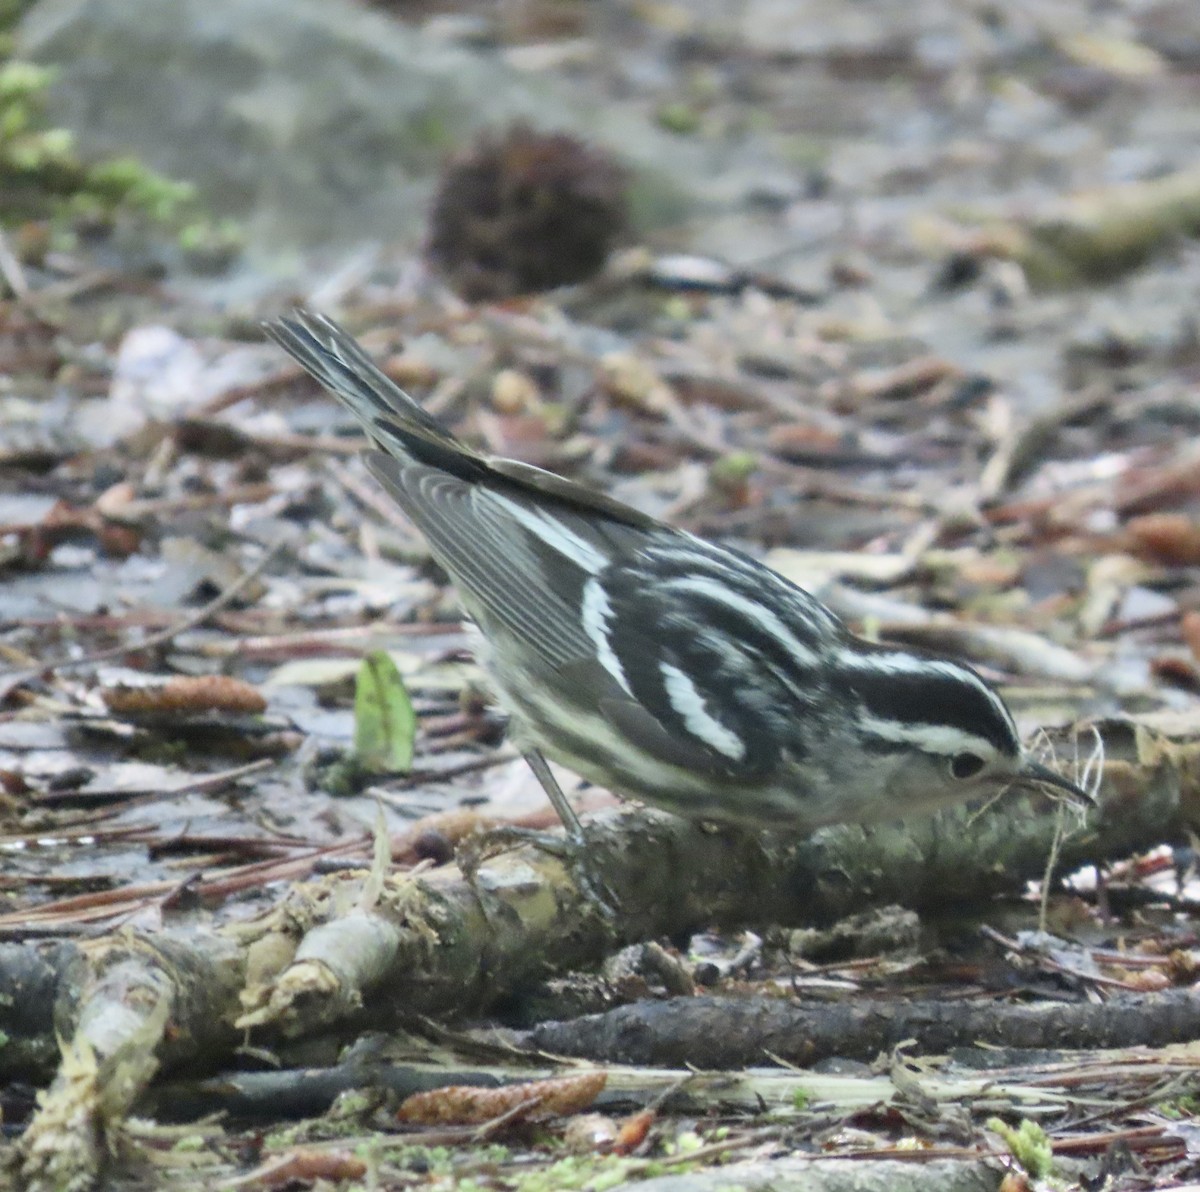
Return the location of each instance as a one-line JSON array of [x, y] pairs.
[[408, 434], [393, 419]]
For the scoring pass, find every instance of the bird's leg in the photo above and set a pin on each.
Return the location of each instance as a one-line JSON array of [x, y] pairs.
[[554, 792], [573, 850], [590, 882]]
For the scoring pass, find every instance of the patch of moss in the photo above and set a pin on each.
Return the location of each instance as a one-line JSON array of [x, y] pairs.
[[679, 118], [161, 752], [1187, 1106], [589, 1173], [11, 11], [1028, 1144], [46, 184]]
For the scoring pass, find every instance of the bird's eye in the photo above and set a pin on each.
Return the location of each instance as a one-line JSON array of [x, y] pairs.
[[965, 765]]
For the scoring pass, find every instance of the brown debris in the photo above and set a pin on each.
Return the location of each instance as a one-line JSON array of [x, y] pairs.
[[1172, 538], [185, 695], [307, 1164], [1189, 628], [525, 211], [65, 522], [470, 1106]]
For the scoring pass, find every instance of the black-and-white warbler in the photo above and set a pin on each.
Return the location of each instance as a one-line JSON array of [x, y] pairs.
[[661, 666]]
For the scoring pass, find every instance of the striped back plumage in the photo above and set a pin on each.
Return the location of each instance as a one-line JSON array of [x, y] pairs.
[[669, 668]]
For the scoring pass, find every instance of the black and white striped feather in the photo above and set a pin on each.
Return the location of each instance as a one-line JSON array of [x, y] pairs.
[[657, 664]]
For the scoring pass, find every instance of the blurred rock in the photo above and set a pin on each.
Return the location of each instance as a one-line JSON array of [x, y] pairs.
[[315, 122]]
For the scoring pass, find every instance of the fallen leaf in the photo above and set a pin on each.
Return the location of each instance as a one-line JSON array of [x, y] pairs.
[[385, 725]]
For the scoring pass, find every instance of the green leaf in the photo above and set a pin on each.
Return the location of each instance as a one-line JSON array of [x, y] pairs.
[[384, 722]]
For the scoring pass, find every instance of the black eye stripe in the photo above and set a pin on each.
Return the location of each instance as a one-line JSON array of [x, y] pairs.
[[923, 698]]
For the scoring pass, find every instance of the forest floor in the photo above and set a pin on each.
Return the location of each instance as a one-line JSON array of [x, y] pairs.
[[942, 369]]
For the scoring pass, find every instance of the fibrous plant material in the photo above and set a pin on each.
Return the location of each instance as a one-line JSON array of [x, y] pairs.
[[525, 211]]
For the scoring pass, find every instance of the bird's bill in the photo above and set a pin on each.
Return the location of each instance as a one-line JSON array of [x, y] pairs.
[[1035, 773]]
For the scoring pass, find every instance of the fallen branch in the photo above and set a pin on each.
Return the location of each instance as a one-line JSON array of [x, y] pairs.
[[838, 1175], [352, 949], [123, 993], [1092, 236], [722, 1032]]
